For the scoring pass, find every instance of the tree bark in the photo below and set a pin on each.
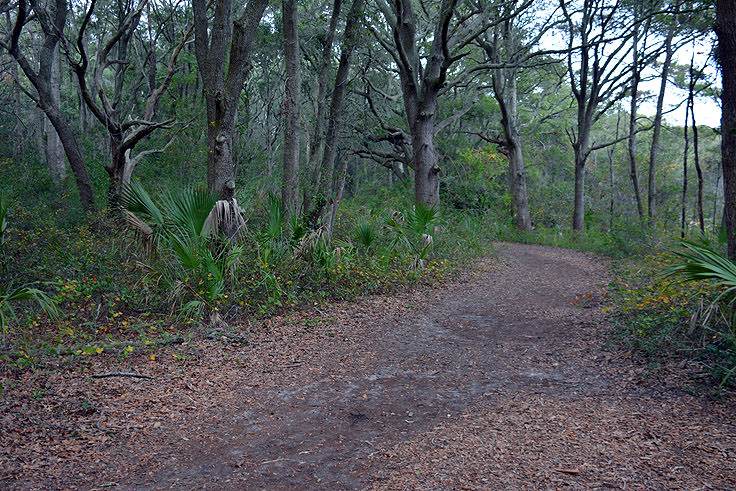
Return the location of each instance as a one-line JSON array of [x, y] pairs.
[[292, 109], [635, 76], [221, 92], [578, 216], [654, 149], [683, 198], [696, 156], [54, 150]]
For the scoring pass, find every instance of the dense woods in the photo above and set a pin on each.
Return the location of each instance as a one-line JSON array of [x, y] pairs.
[[235, 159], [397, 91]]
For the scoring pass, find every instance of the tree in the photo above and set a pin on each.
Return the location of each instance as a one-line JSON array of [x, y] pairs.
[[114, 112], [596, 61], [52, 24], [505, 49], [639, 38], [222, 87], [424, 76], [337, 180], [291, 108], [669, 51], [313, 169]]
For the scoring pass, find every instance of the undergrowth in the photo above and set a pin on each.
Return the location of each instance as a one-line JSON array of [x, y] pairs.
[[114, 296], [669, 319]]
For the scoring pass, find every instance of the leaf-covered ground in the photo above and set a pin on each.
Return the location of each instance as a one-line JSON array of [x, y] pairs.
[[496, 380]]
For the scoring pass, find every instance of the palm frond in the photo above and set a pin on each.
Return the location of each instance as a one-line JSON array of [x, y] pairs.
[[189, 210], [697, 262], [366, 234], [224, 215], [142, 230], [422, 218], [12, 295], [136, 200]]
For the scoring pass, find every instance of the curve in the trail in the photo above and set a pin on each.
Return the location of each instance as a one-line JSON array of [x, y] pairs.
[[510, 326]]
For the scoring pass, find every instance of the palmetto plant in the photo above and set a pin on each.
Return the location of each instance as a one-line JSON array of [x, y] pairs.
[[10, 295], [415, 228], [366, 234], [699, 261], [181, 233]]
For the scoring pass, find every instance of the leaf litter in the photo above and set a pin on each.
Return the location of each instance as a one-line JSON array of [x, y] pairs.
[[496, 379]]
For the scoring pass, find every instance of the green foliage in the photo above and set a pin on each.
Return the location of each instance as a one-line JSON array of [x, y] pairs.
[[678, 306], [624, 240], [10, 296], [366, 234], [190, 260], [414, 228], [699, 261]]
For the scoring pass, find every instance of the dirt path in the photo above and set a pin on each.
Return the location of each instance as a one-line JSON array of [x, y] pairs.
[[495, 381]]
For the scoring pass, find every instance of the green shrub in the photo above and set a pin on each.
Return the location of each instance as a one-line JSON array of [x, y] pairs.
[[678, 305], [182, 232]]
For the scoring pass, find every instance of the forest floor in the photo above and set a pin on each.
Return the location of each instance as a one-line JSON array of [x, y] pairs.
[[499, 379]]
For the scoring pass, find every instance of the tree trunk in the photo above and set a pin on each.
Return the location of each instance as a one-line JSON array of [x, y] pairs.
[[39, 80], [38, 120], [654, 149], [222, 92], [426, 170], [726, 31], [683, 199], [69, 142], [506, 97], [578, 216], [292, 108], [517, 179], [19, 130], [636, 72], [54, 150], [505, 92], [696, 156], [334, 122], [116, 169]]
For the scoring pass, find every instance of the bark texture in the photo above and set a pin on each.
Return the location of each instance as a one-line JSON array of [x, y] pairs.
[[292, 109], [222, 91], [54, 149]]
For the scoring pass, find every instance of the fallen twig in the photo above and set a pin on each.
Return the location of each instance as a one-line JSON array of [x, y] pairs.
[[122, 374], [568, 471], [99, 420]]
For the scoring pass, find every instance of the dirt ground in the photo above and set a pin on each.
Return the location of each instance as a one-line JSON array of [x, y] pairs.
[[497, 380]]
